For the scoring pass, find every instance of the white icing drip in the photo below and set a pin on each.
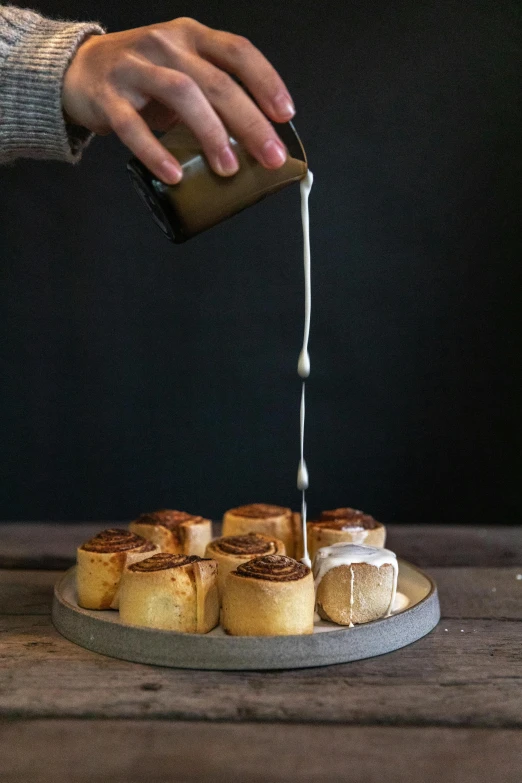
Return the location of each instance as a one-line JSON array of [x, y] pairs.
[[302, 476], [306, 557], [352, 580], [302, 471], [347, 554], [303, 365]]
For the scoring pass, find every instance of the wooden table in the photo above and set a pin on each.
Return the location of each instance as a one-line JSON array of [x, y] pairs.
[[447, 709]]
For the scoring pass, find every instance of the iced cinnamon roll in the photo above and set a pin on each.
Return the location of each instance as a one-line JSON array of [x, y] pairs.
[[100, 564], [175, 532], [172, 592], [344, 525], [354, 584], [269, 596], [231, 551], [273, 521]]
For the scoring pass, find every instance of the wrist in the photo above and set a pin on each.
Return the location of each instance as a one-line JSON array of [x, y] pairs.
[[74, 87]]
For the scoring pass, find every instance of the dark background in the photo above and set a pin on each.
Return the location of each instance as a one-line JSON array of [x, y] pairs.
[[137, 374]]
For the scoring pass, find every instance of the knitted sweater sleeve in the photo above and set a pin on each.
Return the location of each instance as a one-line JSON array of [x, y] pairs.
[[34, 55]]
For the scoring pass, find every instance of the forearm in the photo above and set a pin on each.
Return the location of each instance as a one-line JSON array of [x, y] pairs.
[[34, 55]]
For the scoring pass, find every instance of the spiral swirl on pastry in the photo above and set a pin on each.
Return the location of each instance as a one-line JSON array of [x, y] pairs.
[[260, 511], [163, 561], [249, 544], [345, 518], [274, 568], [116, 540], [168, 518]]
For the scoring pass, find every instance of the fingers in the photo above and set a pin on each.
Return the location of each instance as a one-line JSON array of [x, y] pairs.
[[135, 134], [180, 93], [237, 55], [158, 117], [239, 113]]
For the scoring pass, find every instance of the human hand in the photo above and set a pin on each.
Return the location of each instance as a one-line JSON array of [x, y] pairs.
[[151, 77]]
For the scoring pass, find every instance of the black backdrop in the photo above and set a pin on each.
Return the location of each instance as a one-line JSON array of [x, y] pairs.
[[137, 375]]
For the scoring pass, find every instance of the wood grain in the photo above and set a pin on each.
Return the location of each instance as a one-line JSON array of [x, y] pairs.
[[26, 592], [466, 672], [479, 592], [52, 545], [159, 751], [457, 545]]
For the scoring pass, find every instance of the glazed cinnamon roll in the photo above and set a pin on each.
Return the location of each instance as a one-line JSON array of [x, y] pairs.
[[231, 551], [172, 592], [344, 525], [273, 521], [175, 532], [100, 564], [354, 584], [269, 596]]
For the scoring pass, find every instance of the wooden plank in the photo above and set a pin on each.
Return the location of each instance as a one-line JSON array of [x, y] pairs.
[[488, 593], [479, 592], [466, 672], [44, 544], [26, 592], [52, 545], [457, 545], [156, 751]]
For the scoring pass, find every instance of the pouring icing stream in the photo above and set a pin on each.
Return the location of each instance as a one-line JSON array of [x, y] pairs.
[[303, 365]]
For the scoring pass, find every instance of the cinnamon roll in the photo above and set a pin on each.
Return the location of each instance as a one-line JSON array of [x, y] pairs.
[[231, 551], [269, 596], [344, 525], [100, 564], [175, 532], [354, 584], [172, 592], [273, 521]]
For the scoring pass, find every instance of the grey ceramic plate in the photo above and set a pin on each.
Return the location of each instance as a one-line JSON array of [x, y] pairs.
[[102, 632]]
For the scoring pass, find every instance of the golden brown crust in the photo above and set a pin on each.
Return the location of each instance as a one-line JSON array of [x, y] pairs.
[[114, 540], [163, 561], [171, 592], [273, 568], [260, 511], [248, 545], [269, 596], [148, 546], [267, 519], [341, 513], [340, 523], [169, 518], [347, 525], [175, 532], [344, 518]]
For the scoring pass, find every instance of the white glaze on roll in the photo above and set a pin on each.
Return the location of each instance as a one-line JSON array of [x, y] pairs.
[[348, 554]]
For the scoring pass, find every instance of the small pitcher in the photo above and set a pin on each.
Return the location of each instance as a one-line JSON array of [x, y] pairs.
[[203, 198]]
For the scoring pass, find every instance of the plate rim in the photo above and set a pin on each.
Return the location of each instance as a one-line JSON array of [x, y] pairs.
[[259, 652]]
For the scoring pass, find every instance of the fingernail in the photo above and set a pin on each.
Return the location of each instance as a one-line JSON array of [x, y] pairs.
[[171, 173], [284, 105], [274, 154], [227, 161]]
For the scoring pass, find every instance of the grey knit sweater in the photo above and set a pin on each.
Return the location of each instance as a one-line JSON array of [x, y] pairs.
[[34, 55]]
